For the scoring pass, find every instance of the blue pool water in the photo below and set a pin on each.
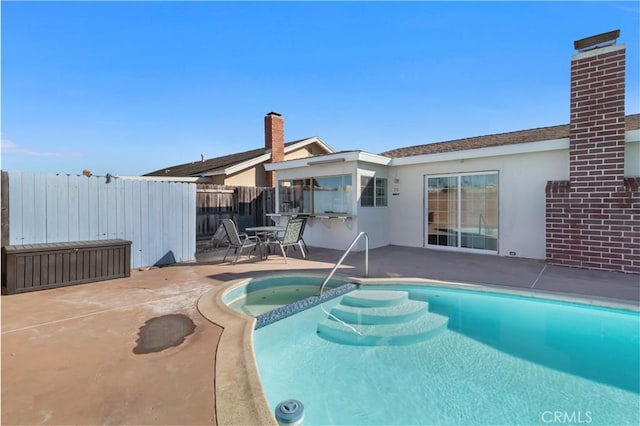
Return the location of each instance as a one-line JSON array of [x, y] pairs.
[[501, 359]]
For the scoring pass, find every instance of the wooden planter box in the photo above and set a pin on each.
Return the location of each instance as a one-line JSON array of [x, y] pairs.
[[32, 267]]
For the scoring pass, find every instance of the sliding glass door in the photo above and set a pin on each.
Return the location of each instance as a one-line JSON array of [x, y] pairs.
[[462, 211]]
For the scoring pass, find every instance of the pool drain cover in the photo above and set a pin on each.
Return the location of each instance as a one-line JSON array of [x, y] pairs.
[[290, 412]]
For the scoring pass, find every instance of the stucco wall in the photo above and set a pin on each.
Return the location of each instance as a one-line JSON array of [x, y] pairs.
[[521, 202], [301, 153], [632, 157], [246, 177], [374, 220], [255, 176]]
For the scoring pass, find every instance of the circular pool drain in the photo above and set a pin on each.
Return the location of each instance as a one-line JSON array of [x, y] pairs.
[[290, 412]]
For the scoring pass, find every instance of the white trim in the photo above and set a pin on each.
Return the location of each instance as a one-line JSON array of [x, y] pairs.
[[494, 151], [325, 161], [632, 136], [238, 167], [309, 141], [214, 172], [374, 158], [329, 158], [304, 162], [247, 164]]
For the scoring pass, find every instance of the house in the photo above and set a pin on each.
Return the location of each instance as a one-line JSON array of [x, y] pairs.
[[247, 168], [568, 194]]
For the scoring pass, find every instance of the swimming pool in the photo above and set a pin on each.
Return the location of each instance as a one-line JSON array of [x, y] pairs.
[[499, 359]]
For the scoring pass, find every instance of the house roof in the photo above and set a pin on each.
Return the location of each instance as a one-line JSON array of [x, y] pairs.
[[632, 122], [206, 166]]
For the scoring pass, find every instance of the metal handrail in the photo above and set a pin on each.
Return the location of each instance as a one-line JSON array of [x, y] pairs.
[[346, 252]]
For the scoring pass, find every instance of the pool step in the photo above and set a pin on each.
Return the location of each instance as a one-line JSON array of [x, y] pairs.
[[407, 311], [364, 298], [377, 317]]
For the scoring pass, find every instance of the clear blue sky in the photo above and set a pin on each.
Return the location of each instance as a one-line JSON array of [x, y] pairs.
[[130, 87]]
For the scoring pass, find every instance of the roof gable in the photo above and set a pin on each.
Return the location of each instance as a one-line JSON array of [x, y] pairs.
[[197, 168]]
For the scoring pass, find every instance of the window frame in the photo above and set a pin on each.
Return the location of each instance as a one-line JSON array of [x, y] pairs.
[[308, 188], [373, 185]]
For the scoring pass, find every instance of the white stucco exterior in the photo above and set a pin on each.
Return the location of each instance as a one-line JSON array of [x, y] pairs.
[[523, 171], [521, 198]]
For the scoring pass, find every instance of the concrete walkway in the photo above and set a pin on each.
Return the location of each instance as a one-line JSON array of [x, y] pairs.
[[137, 351]]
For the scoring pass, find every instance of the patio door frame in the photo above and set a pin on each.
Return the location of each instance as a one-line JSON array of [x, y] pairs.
[[425, 220]]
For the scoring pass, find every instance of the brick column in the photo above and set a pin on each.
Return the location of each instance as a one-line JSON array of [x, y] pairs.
[[592, 220]]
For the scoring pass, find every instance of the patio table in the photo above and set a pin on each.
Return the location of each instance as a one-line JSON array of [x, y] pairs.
[[266, 231]]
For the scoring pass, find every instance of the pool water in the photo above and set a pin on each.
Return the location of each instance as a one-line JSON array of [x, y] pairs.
[[502, 359], [259, 302], [259, 296]]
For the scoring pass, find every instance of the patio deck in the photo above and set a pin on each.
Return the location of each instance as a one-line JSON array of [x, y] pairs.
[[88, 354]]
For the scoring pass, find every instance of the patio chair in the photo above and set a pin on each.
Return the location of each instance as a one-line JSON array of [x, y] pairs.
[[239, 241], [304, 225], [292, 236], [219, 237]]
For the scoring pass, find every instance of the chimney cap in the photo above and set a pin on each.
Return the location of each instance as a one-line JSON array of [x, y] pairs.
[[274, 113], [596, 41]]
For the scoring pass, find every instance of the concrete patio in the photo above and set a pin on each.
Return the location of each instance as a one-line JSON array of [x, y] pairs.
[[137, 351]]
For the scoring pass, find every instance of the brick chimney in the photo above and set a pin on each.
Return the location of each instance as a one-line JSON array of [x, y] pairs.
[[596, 132], [589, 219], [274, 141]]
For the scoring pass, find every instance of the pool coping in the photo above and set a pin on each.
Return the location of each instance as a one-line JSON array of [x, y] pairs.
[[240, 398]]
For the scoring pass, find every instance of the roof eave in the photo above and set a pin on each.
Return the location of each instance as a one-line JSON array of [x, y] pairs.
[[493, 151], [308, 141], [244, 165], [630, 136], [339, 157]]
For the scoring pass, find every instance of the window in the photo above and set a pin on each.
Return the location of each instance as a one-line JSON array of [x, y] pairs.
[[332, 194], [373, 191], [381, 192], [366, 194], [463, 211], [295, 196], [318, 195]]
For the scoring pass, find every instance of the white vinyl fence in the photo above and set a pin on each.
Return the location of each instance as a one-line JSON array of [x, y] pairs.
[[157, 217]]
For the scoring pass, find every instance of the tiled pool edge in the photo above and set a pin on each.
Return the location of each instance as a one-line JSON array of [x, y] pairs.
[[288, 310]]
